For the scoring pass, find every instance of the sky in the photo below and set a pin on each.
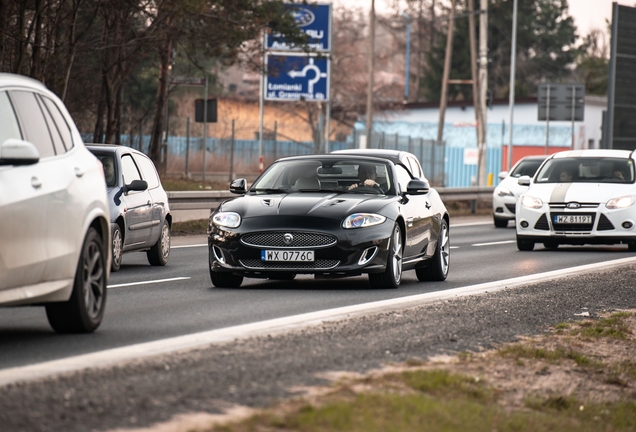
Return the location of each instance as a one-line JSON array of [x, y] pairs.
[[587, 14]]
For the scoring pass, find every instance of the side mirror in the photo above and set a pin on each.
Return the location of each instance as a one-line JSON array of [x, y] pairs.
[[524, 180], [502, 175], [18, 152], [136, 185], [417, 187], [238, 186]]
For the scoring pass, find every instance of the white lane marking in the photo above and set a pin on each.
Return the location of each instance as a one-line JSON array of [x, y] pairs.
[[279, 325], [188, 246], [454, 247], [494, 243], [470, 224], [148, 282]]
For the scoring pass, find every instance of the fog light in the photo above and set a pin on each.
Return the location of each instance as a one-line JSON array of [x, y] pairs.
[[524, 224], [218, 254], [368, 255], [627, 224]]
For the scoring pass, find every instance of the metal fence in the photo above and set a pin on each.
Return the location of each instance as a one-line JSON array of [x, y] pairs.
[[226, 158]]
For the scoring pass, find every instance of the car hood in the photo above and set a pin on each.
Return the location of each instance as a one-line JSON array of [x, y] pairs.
[[329, 205], [580, 192]]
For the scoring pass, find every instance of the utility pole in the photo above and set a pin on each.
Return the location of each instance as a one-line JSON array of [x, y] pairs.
[[473, 67], [511, 95], [371, 66], [483, 89], [447, 63]]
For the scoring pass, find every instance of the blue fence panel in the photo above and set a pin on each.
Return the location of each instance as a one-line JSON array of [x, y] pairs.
[[460, 175]]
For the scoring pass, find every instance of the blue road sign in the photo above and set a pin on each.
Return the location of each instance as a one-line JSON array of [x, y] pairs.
[[295, 77], [314, 20]]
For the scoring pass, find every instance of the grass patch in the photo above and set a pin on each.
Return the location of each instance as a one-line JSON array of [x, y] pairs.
[[437, 406], [183, 184], [613, 326], [519, 351], [193, 227]]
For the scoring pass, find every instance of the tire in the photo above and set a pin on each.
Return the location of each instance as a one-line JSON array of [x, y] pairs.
[[524, 245], [84, 311], [225, 280], [631, 247], [500, 222], [158, 254], [438, 266], [551, 245], [392, 275], [117, 246]]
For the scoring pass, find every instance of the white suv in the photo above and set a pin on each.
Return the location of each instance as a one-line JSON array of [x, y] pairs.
[[54, 234]]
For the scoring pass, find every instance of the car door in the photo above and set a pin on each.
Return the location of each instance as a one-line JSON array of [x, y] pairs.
[[137, 208], [158, 197], [419, 216], [23, 204]]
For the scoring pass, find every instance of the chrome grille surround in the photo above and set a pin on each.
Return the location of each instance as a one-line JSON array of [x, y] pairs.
[[563, 205], [276, 239], [321, 264]]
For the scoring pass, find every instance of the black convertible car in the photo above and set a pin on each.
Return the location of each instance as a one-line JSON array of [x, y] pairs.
[[332, 216]]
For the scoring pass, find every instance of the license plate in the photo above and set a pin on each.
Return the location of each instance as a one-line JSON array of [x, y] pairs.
[[573, 219], [281, 255]]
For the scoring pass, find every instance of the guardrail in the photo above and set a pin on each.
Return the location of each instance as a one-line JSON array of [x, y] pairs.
[[198, 200]]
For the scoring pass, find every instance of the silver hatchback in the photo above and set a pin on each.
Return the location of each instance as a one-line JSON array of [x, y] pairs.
[[140, 216]]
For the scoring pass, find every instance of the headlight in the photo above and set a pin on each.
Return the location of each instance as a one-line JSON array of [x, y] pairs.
[[227, 219], [531, 202], [503, 192], [362, 220], [622, 202]]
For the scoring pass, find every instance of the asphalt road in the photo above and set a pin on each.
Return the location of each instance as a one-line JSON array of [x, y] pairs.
[[258, 371]]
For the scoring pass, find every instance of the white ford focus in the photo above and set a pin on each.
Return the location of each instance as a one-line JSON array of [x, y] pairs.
[[579, 197]]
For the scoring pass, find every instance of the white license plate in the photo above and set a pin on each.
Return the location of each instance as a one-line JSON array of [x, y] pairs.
[[282, 255], [573, 219]]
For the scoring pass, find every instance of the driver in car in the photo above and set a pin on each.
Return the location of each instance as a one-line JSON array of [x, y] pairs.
[[367, 176]]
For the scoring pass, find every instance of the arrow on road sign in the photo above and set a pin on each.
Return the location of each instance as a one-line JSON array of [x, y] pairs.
[[303, 73]]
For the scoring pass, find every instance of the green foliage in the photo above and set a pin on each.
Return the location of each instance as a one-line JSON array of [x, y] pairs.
[[546, 47]]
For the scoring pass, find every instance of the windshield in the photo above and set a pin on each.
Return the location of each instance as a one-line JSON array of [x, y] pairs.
[[526, 168], [587, 170], [328, 175]]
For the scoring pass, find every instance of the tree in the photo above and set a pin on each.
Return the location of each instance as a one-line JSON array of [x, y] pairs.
[[546, 48], [593, 63]]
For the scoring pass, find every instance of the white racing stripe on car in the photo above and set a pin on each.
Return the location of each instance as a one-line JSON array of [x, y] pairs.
[[279, 325], [494, 243], [148, 282]]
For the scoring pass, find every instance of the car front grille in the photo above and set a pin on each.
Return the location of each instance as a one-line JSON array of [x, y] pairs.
[[299, 239], [562, 205], [321, 264]]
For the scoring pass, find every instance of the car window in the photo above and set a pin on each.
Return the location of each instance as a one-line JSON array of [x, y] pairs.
[[526, 168], [8, 123], [61, 126], [148, 170], [129, 169], [403, 177], [32, 120], [415, 167], [110, 168], [58, 144]]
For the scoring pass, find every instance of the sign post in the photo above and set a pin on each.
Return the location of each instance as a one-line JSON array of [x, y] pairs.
[[293, 74]]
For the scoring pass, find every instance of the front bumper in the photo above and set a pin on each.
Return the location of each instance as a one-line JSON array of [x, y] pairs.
[[344, 253], [503, 207], [608, 226]]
